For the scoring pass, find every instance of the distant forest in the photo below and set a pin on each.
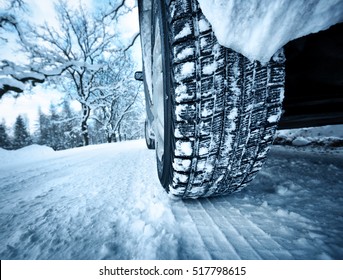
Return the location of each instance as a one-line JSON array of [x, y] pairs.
[[60, 129]]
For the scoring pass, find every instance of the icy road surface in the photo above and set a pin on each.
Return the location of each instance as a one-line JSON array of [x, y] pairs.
[[105, 202]]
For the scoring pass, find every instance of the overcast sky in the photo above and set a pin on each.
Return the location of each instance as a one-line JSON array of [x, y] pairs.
[[28, 103]]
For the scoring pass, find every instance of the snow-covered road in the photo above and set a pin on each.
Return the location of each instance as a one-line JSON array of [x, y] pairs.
[[105, 202]]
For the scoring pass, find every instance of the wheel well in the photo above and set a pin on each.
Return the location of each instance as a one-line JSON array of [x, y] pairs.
[[314, 80]]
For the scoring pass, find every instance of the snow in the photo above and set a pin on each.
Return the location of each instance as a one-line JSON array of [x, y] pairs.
[[105, 202], [204, 25], [233, 114], [187, 70], [203, 43], [274, 118], [183, 148], [257, 29], [203, 151], [181, 164], [181, 93], [300, 141], [185, 53], [27, 154], [205, 112], [5, 81], [16, 76], [32, 75], [186, 30], [209, 69], [329, 135]]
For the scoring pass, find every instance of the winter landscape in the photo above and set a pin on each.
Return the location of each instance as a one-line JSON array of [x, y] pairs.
[[78, 182]]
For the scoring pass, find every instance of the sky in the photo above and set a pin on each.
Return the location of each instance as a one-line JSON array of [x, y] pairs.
[[27, 103]]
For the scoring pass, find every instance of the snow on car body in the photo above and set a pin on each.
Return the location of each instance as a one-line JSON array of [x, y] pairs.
[[258, 28]]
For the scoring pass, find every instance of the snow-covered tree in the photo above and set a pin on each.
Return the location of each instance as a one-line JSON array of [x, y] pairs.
[[82, 56], [81, 46], [22, 136], [69, 122], [115, 93], [13, 77], [59, 129], [43, 128], [5, 141], [56, 130], [132, 125], [8, 16]]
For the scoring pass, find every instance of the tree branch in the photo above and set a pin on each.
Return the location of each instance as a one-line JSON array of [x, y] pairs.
[[132, 42]]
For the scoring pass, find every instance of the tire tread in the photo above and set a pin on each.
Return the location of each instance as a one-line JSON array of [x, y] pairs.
[[222, 112]]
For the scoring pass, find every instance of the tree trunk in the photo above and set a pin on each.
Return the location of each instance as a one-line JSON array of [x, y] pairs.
[[84, 125], [84, 131], [119, 134]]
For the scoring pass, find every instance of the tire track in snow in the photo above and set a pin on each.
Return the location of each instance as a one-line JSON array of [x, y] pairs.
[[260, 245], [191, 243], [239, 242], [218, 244]]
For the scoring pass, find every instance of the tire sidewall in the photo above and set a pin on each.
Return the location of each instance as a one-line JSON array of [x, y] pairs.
[[164, 167]]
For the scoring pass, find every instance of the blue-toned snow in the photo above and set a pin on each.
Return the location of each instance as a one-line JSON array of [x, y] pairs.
[[105, 202]]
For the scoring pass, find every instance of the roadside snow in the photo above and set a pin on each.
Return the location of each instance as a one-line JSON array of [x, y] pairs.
[[301, 141], [330, 135], [24, 155], [105, 202], [95, 202], [257, 29], [320, 131]]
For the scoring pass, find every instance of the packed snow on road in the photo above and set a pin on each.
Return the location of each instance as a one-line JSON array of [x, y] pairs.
[[105, 202]]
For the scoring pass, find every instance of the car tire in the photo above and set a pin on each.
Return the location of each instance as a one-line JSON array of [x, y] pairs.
[[220, 110]]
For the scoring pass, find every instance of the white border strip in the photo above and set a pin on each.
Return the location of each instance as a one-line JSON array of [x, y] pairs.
[[223, 269]]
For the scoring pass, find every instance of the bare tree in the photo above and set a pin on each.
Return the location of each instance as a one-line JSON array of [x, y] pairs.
[[78, 50], [14, 77], [82, 55], [7, 16], [115, 94]]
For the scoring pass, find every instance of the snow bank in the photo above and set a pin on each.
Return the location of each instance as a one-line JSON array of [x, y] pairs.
[[329, 135], [257, 29], [24, 155]]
